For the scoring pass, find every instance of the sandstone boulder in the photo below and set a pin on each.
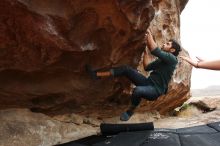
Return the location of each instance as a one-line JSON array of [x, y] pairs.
[[45, 44]]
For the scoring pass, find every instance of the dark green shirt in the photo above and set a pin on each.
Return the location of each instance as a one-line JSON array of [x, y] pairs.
[[162, 69]]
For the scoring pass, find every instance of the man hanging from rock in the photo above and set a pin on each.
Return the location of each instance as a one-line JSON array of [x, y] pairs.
[[156, 84]]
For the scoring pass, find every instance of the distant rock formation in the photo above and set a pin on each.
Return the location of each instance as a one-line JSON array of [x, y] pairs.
[[208, 91], [45, 44]]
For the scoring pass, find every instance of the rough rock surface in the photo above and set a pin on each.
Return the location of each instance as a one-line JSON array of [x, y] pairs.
[[206, 103], [21, 127], [45, 44]]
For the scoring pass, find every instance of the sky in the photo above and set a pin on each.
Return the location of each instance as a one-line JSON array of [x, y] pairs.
[[200, 36]]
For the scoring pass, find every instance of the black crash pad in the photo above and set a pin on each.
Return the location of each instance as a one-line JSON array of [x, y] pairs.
[[111, 129], [204, 135]]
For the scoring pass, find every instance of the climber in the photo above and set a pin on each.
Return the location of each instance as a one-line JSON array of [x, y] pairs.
[[156, 84]]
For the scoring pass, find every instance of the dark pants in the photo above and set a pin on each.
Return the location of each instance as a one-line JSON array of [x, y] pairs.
[[144, 86]]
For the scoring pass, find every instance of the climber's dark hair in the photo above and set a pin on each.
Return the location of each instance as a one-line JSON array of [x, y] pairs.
[[176, 46]]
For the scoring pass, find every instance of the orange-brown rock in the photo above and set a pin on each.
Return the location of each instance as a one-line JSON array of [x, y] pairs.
[[45, 44]]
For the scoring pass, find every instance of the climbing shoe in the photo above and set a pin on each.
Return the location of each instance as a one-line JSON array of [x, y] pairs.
[[126, 115]]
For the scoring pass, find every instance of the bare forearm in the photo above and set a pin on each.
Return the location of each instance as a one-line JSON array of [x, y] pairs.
[[145, 59], [214, 65], [152, 45]]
